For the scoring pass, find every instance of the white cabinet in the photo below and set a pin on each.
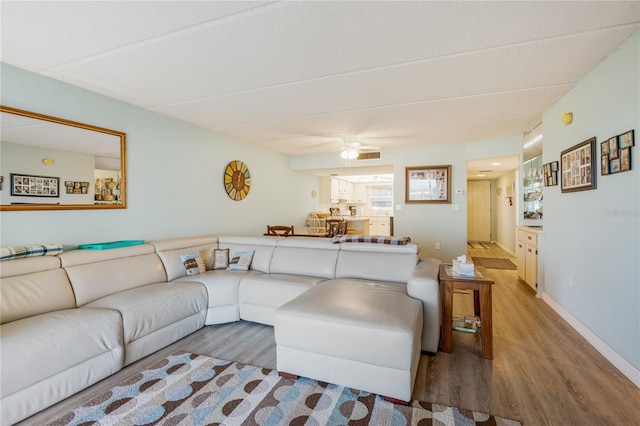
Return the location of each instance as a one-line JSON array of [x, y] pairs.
[[335, 190], [379, 226], [529, 257], [359, 193]]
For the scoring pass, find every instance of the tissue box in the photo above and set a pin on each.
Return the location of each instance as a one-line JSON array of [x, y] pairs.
[[465, 269]]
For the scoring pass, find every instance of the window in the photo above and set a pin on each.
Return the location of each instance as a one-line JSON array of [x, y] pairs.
[[380, 197]]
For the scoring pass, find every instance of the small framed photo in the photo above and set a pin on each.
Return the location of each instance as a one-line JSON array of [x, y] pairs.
[[551, 174], [578, 169], [604, 148], [613, 148], [626, 140], [625, 159], [428, 184], [604, 164], [614, 165]]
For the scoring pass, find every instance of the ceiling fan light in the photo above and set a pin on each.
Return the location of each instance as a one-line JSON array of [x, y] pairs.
[[349, 154]]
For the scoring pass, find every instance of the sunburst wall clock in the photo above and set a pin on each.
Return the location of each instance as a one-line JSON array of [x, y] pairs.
[[237, 180]]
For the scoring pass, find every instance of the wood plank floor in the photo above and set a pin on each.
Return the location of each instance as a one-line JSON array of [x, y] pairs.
[[543, 372]]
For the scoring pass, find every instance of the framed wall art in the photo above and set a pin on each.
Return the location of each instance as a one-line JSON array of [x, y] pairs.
[[428, 184], [550, 173], [577, 167], [76, 187], [23, 185], [615, 154]]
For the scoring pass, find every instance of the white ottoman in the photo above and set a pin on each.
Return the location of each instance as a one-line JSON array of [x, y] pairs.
[[356, 333]]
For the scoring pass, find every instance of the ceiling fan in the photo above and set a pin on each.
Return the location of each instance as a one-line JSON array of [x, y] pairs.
[[352, 147]]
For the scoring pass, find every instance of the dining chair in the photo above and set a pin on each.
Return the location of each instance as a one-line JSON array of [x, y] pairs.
[[316, 225], [336, 227], [280, 231]]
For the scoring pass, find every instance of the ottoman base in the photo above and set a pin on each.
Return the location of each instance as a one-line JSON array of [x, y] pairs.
[[354, 333]]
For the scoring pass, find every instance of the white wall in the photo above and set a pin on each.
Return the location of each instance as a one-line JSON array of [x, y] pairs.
[[174, 175], [592, 238], [505, 214]]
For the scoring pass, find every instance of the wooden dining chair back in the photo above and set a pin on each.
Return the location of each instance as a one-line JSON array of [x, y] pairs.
[[316, 227], [336, 227], [280, 231]]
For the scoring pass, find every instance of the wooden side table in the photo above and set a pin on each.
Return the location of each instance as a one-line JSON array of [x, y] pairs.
[[482, 306]]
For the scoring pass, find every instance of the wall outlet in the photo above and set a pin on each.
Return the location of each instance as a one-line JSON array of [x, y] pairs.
[[455, 206], [570, 280], [437, 246], [398, 206]]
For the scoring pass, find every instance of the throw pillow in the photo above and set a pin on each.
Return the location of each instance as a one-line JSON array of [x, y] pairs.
[[240, 261], [220, 258], [193, 263]]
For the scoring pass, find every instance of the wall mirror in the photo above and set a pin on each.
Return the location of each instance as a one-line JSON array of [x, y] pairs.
[[50, 163]]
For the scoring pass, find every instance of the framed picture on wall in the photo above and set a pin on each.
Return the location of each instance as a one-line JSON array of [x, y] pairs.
[[34, 186], [626, 140], [577, 166], [428, 184]]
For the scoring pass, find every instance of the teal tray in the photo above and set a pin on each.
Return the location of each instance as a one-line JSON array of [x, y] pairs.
[[110, 245]]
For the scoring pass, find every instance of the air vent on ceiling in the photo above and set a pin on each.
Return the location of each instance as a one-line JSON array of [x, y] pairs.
[[369, 155]]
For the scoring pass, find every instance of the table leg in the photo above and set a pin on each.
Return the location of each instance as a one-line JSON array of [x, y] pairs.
[[447, 315], [486, 308], [476, 302]]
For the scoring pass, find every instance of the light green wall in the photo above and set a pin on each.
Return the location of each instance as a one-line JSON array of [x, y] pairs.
[[174, 175], [593, 237]]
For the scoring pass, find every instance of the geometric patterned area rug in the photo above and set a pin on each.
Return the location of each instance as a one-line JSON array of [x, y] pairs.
[[188, 389], [494, 263]]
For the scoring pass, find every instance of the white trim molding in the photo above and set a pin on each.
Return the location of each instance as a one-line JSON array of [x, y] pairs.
[[612, 356]]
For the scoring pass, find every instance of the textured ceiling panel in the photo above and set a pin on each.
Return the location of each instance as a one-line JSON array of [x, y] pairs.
[[58, 32], [296, 75], [506, 69]]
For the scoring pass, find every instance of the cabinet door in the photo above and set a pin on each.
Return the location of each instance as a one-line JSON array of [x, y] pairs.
[[531, 265], [383, 227], [359, 191], [520, 254], [335, 190]]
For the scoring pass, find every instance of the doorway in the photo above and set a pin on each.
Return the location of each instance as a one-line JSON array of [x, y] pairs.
[[479, 210], [491, 213]]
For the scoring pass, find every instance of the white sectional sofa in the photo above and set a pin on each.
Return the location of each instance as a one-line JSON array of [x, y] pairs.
[[91, 312]]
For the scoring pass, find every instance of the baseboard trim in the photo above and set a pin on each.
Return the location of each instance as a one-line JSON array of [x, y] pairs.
[[612, 356]]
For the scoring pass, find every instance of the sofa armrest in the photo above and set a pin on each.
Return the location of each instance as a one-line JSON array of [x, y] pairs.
[[425, 286]]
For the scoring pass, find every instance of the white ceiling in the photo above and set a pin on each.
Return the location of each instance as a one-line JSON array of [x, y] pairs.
[[297, 76]]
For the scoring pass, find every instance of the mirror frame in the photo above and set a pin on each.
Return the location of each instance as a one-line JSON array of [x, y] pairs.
[[123, 179]]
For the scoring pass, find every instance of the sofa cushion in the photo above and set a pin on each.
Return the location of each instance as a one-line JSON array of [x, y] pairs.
[[305, 256], [354, 316], [33, 286], [93, 281], [173, 264], [41, 346], [262, 246], [260, 295], [149, 308], [222, 285], [378, 262]]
